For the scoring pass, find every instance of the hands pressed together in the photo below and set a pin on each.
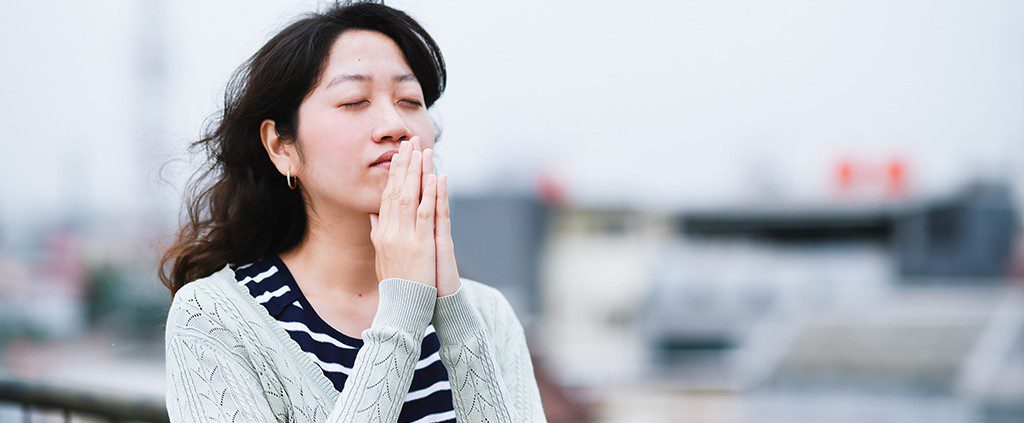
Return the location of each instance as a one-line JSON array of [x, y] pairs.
[[412, 231]]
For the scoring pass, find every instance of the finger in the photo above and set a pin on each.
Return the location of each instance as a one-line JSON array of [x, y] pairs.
[[373, 223], [393, 186], [417, 144], [410, 195], [443, 212], [428, 158], [428, 165], [425, 214], [396, 178]]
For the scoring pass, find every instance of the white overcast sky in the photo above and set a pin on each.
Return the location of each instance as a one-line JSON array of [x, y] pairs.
[[646, 103]]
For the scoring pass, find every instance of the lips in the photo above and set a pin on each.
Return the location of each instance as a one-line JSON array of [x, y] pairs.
[[384, 158]]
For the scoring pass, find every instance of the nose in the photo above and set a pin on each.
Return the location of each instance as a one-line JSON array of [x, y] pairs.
[[392, 127]]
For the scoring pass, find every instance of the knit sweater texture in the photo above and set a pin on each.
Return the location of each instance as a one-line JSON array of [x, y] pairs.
[[229, 361]]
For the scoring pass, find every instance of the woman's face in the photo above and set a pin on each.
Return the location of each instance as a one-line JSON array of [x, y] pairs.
[[365, 104]]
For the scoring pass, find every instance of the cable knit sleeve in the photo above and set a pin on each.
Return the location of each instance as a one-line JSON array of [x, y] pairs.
[[489, 365], [209, 383], [382, 373], [211, 376]]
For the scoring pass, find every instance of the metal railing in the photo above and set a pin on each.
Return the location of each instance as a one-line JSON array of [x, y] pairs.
[[69, 402]]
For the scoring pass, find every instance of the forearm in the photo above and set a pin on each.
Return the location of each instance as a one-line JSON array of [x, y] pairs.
[[375, 389], [480, 390], [208, 383]]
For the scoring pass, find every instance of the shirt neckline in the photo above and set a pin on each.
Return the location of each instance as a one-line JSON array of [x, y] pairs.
[[307, 308]]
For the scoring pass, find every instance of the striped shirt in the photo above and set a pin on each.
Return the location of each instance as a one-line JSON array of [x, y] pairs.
[[429, 398]]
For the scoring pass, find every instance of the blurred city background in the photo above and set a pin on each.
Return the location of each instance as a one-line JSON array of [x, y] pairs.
[[742, 211]]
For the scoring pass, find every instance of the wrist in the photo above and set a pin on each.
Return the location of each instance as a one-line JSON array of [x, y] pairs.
[[404, 304], [445, 289]]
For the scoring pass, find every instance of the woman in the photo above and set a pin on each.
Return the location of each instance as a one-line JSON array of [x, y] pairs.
[[316, 278]]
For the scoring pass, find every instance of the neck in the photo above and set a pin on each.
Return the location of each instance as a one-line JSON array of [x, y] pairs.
[[336, 257]]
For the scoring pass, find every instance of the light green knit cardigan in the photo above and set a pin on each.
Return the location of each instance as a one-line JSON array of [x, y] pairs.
[[229, 361]]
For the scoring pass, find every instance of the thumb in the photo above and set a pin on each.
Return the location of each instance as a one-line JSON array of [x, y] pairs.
[[373, 228]]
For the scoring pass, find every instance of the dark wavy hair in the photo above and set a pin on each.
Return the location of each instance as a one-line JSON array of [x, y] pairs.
[[238, 207]]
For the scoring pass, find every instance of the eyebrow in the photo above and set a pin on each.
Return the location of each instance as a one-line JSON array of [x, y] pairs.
[[405, 77]]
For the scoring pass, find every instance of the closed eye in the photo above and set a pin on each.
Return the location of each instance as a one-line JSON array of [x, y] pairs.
[[353, 105], [358, 103]]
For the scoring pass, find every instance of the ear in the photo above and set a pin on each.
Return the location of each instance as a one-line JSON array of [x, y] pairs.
[[282, 154]]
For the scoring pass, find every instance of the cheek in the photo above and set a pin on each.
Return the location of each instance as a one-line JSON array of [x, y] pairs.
[[335, 155], [426, 132], [335, 162], [323, 124], [332, 141]]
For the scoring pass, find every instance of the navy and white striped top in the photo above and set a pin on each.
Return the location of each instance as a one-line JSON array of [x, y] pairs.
[[271, 284]]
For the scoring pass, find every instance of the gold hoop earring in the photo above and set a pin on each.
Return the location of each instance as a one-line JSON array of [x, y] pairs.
[[289, 179]]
